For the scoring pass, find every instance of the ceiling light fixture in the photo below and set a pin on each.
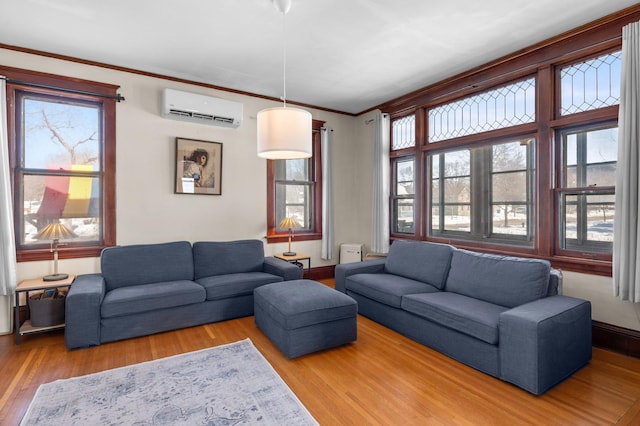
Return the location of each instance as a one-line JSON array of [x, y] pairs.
[[284, 133]]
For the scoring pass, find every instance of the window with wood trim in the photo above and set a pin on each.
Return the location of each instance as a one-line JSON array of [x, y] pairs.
[[484, 193], [294, 189], [62, 143], [586, 194], [521, 161], [403, 175]]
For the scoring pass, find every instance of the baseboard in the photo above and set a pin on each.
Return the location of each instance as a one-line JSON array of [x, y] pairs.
[[320, 273], [617, 339]]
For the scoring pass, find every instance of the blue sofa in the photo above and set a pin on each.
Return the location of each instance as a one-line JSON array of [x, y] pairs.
[[150, 288], [501, 315]]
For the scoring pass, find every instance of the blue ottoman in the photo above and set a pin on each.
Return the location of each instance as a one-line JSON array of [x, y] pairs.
[[304, 316]]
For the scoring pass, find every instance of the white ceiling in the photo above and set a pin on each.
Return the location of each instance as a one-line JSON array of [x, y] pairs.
[[344, 55]]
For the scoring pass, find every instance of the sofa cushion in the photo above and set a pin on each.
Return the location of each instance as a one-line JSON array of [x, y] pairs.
[[461, 313], [502, 280], [421, 261], [227, 257], [146, 263], [150, 297], [386, 288], [232, 285]]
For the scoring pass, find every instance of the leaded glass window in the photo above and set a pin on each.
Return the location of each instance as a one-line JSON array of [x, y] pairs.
[[403, 132], [502, 107], [591, 84]]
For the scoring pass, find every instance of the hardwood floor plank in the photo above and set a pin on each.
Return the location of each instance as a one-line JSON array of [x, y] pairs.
[[382, 378]]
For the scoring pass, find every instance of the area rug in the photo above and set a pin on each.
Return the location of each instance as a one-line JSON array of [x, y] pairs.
[[231, 384]]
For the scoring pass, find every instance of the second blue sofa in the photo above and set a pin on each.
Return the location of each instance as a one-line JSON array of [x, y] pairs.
[[501, 315]]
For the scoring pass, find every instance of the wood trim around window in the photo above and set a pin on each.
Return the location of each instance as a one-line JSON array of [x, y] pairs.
[[316, 231], [42, 252]]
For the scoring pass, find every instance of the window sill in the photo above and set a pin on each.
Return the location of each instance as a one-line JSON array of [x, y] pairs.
[[63, 253], [584, 265], [284, 238]]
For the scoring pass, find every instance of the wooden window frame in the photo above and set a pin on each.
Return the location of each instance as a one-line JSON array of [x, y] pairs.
[[70, 88], [315, 231]]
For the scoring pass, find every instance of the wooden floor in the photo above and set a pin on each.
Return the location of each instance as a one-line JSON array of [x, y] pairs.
[[382, 378]]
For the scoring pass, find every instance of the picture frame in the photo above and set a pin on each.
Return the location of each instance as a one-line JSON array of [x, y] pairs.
[[198, 167]]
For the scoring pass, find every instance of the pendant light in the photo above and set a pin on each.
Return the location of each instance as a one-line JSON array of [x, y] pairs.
[[284, 133]]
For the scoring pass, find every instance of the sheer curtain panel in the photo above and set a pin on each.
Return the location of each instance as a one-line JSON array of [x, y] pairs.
[[7, 239], [626, 235], [381, 140], [327, 195]]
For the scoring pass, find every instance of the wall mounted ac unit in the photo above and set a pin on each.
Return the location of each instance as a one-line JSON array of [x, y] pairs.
[[185, 106]]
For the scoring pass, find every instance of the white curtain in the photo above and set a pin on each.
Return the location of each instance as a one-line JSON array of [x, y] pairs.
[[626, 232], [327, 195], [7, 240], [381, 136]]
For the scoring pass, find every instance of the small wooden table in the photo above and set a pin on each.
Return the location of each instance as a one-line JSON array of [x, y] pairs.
[[296, 258], [37, 284]]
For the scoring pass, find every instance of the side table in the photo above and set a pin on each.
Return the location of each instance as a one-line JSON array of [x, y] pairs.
[[296, 258], [27, 286]]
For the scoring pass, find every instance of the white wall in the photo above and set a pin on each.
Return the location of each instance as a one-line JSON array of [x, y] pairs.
[[605, 307], [148, 211]]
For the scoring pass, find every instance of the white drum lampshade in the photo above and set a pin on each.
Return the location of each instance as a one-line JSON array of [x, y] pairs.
[[284, 133]]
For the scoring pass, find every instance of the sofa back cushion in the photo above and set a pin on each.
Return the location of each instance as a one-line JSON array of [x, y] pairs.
[[227, 257], [502, 280], [421, 261], [146, 263]]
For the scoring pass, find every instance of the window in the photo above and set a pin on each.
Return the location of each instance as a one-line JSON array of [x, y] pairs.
[[295, 190], [521, 161], [591, 84], [403, 196], [63, 146], [403, 132], [294, 186], [588, 150], [586, 196], [494, 109], [484, 193]]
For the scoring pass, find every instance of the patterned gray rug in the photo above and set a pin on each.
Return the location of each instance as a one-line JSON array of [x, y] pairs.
[[226, 385]]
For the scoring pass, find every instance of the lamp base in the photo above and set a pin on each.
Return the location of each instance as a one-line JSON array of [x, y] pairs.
[[289, 253], [55, 277]]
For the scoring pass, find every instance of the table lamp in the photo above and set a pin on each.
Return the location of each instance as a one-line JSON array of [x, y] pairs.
[[55, 232], [289, 223]]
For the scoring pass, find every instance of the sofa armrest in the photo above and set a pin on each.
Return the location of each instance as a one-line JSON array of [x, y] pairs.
[[82, 311], [282, 268], [344, 270], [545, 341]]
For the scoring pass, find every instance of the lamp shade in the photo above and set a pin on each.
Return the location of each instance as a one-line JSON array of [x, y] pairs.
[[284, 133], [55, 231], [289, 223]]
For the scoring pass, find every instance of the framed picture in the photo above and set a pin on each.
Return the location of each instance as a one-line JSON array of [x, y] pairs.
[[198, 167]]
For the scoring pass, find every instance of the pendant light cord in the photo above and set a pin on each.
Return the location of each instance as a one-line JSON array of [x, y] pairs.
[[284, 59]]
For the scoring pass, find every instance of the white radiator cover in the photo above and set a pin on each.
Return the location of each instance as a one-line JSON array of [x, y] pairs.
[[350, 253]]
